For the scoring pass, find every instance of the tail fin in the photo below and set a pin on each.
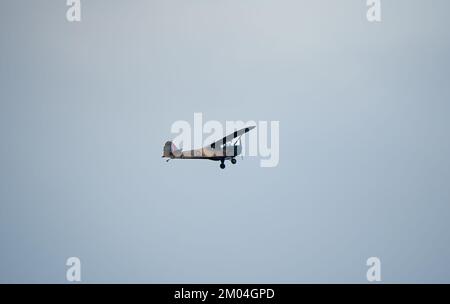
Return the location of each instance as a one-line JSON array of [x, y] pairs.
[[169, 148]]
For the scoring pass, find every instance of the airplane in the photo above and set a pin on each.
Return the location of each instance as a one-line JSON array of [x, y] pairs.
[[217, 151]]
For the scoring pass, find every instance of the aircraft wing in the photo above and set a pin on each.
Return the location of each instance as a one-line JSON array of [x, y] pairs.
[[230, 137]]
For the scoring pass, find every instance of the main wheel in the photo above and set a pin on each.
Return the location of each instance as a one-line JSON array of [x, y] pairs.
[[222, 166], [233, 161]]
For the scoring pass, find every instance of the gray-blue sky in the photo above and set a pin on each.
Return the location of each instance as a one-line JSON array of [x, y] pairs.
[[85, 109]]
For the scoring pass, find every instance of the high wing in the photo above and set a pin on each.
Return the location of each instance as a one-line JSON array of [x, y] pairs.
[[230, 137]]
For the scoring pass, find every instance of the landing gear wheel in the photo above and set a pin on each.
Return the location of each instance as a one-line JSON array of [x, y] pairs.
[[222, 166], [233, 161]]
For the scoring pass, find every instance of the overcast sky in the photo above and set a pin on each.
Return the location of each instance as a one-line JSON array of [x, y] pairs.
[[85, 109]]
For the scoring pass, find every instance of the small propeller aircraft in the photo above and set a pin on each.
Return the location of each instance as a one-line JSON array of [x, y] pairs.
[[217, 151]]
